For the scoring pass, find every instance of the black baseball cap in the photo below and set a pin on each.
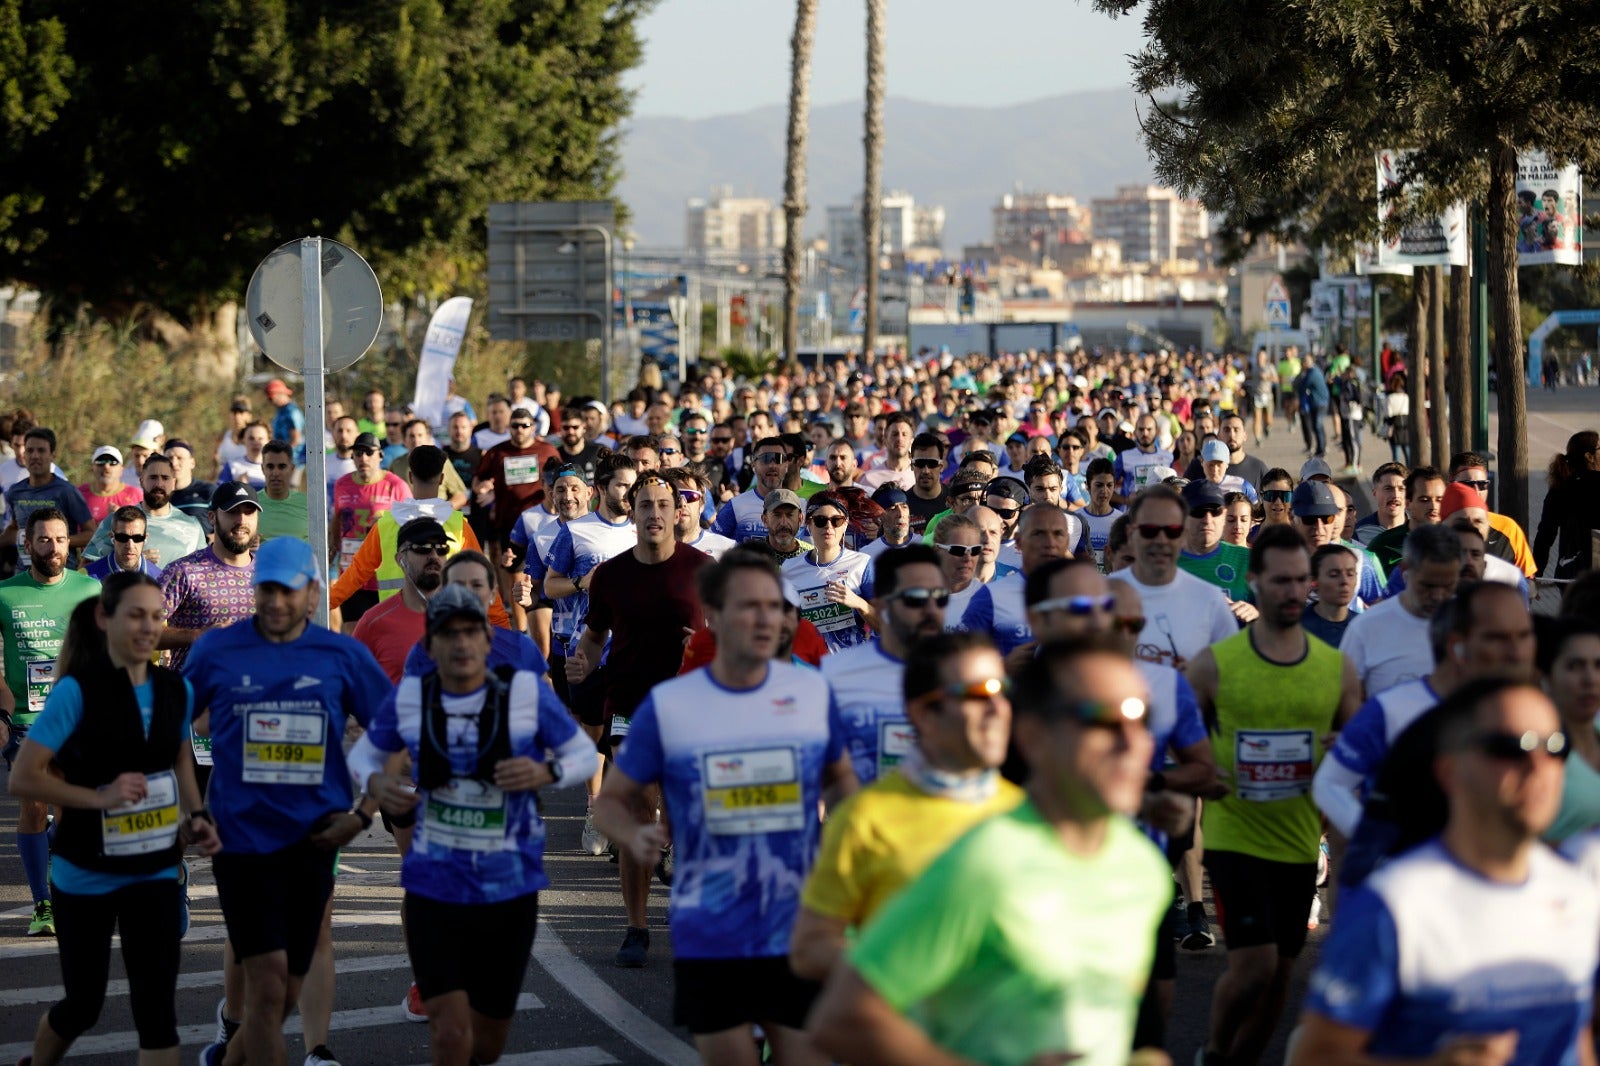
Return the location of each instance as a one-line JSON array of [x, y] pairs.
[[366, 442], [232, 495], [421, 531]]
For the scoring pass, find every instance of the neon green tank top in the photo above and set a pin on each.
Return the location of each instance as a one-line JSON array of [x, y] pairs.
[[1268, 740]]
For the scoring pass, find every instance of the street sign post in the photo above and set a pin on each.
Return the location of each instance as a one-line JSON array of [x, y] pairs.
[[1279, 313], [315, 306]]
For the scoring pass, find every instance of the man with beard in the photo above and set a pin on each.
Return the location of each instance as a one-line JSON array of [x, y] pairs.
[[34, 608], [781, 515], [1134, 465], [576, 449], [509, 476], [909, 600], [391, 629], [214, 586], [741, 518], [170, 534], [899, 430]]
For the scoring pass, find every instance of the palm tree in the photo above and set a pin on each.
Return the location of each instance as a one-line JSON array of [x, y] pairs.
[[794, 173], [872, 196]]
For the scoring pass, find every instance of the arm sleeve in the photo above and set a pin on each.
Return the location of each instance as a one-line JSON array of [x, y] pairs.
[[417, 662], [366, 686], [1364, 741], [1190, 729], [383, 732], [724, 523], [1358, 976], [641, 757], [63, 711], [576, 756], [1335, 792], [979, 615], [363, 565], [562, 559]]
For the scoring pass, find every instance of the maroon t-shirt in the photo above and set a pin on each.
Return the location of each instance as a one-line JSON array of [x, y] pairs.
[[518, 479], [646, 607]]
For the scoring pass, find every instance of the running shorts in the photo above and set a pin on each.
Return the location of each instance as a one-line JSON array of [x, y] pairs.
[[1259, 901], [713, 995], [274, 902], [481, 949]]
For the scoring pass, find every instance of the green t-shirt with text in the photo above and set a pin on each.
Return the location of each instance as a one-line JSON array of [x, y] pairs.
[[33, 621], [1224, 567]]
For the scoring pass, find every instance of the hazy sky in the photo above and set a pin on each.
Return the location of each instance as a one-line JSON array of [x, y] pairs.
[[710, 57]]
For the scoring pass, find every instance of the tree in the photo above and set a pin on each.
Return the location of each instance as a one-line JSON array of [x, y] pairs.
[[191, 139], [872, 195], [794, 172], [1282, 106]]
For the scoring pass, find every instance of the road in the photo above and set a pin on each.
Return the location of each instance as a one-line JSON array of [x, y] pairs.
[[578, 1008]]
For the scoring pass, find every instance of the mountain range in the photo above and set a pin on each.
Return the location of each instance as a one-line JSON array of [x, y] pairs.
[[964, 158]]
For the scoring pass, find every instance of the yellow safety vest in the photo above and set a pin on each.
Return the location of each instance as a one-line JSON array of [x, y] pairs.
[[391, 578]]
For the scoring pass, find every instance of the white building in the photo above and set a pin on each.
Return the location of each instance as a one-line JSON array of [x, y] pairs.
[[904, 226], [1152, 224], [730, 225]]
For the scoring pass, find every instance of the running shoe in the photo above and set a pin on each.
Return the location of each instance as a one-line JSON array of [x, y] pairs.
[[412, 1005], [1316, 913], [664, 866], [211, 1054], [1199, 937], [226, 1027], [183, 894], [320, 1056], [635, 948], [593, 841], [44, 920]]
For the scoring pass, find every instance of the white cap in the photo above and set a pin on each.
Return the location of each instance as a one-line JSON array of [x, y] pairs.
[[149, 434], [106, 451]]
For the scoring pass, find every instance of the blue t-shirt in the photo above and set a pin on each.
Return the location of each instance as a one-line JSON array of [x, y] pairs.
[[998, 609], [278, 714], [581, 545], [474, 843], [1330, 633], [105, 566], [741, 772], [867, 684], [506, 648], [1397, 967], [285, 422], [23, 498], [62, 714], [1364, 741]]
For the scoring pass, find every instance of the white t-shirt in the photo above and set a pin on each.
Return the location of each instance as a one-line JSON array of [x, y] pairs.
[[1181, 617], [1388, 646]]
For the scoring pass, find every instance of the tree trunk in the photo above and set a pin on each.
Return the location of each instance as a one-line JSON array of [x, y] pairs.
[[1417, 363], [1460, 368], [872, 195], [1510, 365], [794, 172], [1439, 412], [209, 340]]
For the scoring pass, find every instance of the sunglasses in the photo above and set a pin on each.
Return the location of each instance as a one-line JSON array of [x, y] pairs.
[[392, 425], [574, 426], [1209, 511], [921, 597], [1134, 625], [128, 538], [1072, 446], [987, 689], [667, 451], [440, 550], [772, 457], [1505, 745], [1276, 495], [690, 496], [1077, 605], [1481, 486], [1006, 513], [927, 464], [834, 520], [1317, 519], [514, 425], [961, 551], [364, 451], [1150, 531], [721, 440], [107, 462], [1097, 713], [696, 433]]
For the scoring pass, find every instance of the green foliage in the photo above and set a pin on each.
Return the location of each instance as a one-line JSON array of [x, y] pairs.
[[745, 365], [155, 152]]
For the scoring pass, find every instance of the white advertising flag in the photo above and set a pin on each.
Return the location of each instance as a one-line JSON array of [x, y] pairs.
[[439, 348]]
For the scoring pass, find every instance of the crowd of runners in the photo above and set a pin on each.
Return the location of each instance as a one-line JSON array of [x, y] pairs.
[[954, 699]]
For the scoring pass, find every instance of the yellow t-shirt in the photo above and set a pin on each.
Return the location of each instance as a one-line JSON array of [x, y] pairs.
[[883, 837]]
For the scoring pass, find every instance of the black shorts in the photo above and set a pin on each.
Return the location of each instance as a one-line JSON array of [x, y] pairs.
[[274, 902], [1259, 901], [360, 602], [481, 949], [587, 699], [713, 995], [1164, 967]]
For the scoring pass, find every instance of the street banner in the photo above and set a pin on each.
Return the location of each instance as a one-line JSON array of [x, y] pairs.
[[439, 348], [1438, 240], [1549, 211]]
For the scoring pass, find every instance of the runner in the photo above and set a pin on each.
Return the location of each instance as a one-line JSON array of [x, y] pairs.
[[1000, 608], [745, 751], [691, 496], [509, 478], [1029, 940], [189, 494], [1269, 695], [275, 692], [1388, 644], [909, 603], [834, 583], [106, 491], [214, 586], [1335, 575], [43, 489], [741, 517], [894, 525], [643, 603], [1206, 556], [393, 628], [927, 496], [1389, 493], [1134, 466], [170, 533], [780, 517], [127, 539], [551, 622], [34, 608], [471, 570], [960, 550], [1099, 514], [1398, 981], [283, 509], [481, 743], [111, 753], [359, 497], [958, 719]]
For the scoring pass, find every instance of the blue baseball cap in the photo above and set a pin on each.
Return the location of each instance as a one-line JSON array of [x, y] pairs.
[[889, 495], [286, 561]]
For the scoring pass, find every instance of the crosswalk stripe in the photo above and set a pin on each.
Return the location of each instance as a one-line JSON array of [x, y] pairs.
[[198, 1035], [206, 979], [197, 934]]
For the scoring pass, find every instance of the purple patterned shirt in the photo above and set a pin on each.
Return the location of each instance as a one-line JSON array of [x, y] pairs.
[[203, 592]]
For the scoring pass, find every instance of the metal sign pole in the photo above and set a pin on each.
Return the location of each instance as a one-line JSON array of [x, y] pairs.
[[316, 483]]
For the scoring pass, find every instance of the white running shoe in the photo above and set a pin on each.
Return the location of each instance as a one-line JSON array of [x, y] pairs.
[[592, 841]]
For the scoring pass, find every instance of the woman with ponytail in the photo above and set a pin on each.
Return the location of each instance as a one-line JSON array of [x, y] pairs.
[[1571, 507], [110, 751]]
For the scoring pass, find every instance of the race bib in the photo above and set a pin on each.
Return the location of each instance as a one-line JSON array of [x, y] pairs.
[[895, 738], [522, 470], [41, 677], [827, 616], [348, 546], [620, 724], [756, 791], [285, 747], [467, 815], [1273, 764], [151, 824], [202, 749]]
